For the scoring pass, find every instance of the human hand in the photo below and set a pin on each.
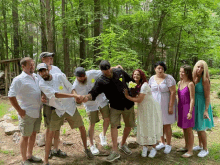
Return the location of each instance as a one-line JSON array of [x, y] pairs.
[[119, 66], [22, 113], [126, 92], [79, 99], [170, 111], [206, 115], [43, 99], [189, 116]]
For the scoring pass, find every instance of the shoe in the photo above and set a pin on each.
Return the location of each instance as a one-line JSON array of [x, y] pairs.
[[187, 155], [197, 148], [125, 149], [50, 154], [94, 150], [26, 162], [59, 153], [153, 152], [160, 146], [103, 139], [35, 159], [144, 151], [113, 156], [182, 150], [203, 153], [89, 154], [167, 149]]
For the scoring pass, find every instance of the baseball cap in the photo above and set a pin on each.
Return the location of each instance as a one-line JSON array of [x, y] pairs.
[[46, 54], [104, 65], [41, 66], [80, 72]]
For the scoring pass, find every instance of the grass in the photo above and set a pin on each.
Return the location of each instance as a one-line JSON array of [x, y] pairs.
[[7, 152], [216, 110], [2, 162], [214, 152], [14, 115], [3, 109]]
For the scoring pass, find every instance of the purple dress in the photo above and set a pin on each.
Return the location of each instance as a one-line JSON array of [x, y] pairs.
[[183, 109]]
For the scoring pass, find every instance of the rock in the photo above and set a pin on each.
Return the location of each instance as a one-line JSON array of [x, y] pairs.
[[11, 109], [40, 139], [68, 143], [9, 128], [7, 117], [16, 137], [131, 141]]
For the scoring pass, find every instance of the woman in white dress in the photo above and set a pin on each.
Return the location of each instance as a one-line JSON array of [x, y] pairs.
[[163, 87], [149, 116]]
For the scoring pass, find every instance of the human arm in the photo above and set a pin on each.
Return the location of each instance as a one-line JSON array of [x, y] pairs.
[[172, 90], [206, 86], [118, 66], [97, 89], [191, 87], [15, 104], [137, 99]]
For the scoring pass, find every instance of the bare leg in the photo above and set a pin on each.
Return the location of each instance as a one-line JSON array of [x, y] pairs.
[[49, 137], [83, 136], [185, 138], [126, 132], [162, 137], [168, 132], [114, 134], [91, 133], [204, 139], [190, 140], [56, 139], [200, 138], [105, 125], [23, 147], [31, 141]]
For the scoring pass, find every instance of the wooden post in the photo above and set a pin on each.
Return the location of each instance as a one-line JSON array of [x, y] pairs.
[[17, 68], [9, 73], [6, 79]]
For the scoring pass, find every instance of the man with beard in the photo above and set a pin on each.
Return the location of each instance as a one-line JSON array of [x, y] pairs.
[[25, 97], [112, 83], [84, 82], [60, 93], [47, 58]]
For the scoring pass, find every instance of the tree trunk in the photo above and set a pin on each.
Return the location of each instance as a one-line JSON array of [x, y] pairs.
[[65, 41], [15, 27], [42, 26], [5, 29], [97, 29], [54, 33], [31, 41], [50, 46]]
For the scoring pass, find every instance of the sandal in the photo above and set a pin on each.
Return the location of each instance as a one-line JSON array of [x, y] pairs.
[[182, 150], [187, 155]]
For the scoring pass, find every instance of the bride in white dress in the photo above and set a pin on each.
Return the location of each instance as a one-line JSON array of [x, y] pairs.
[[149, 116]]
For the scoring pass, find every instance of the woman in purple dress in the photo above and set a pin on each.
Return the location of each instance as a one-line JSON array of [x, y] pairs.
[[186, 101]]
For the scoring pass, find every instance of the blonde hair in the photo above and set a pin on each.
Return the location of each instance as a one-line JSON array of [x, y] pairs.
[[205, 73]]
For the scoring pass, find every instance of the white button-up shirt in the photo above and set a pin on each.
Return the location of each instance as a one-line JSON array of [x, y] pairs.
[[27, 92], [59, 84], [83, 89]]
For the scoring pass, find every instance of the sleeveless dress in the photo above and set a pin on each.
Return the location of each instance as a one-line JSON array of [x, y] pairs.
[[183, 109], [161, 94], [201, 124], [149, 119]]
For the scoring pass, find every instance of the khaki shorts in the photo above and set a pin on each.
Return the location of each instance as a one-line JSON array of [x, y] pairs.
[[94, 115], [128, 117], [56, 122], [28, 125], [47, 114]]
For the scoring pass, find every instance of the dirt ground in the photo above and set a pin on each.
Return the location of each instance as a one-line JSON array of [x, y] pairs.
[[10, 154]]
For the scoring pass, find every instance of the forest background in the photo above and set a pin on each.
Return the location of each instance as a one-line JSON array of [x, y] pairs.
[[132, 33]]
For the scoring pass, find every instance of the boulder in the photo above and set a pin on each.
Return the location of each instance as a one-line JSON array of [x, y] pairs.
[[40, 139], [9, 128], [16, 137], [7, 117]]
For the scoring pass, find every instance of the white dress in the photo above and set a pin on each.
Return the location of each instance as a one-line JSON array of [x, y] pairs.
[[161, 94], [149, 118]]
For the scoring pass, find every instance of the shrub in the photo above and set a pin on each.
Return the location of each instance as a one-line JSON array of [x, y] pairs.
[[215, 110], [214, 71], [178, 134]]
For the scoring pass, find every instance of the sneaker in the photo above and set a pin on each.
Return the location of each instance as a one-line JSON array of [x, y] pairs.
[[103, 139], [113, 156], [160, 146], [144, 151], [197, 148], [59, 153], [125, 149], [26, 162], [94, 150], [153, 152], [35, 159], [89, 154], [167, 149], [203, 153]]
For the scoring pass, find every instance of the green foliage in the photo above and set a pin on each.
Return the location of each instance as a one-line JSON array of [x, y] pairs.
[[218, 94], [64, 131], [7, 152], [177, 134], [214, 152], [214, 71], [14, 115], [216, 110], [3, 109]]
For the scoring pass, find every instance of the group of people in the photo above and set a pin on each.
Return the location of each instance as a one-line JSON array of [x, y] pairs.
[[107, 91]]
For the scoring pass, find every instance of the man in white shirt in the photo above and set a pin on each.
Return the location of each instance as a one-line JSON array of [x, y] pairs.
[[60, 93], [84, 82], [25, 97], [47, 58]]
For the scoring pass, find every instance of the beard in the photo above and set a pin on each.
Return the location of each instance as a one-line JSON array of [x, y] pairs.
[[83, 81], [46, 78]]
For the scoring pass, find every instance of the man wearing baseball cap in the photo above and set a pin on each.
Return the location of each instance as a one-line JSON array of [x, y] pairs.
[[60, 93], [47, 58], [84, 82], [112, 83]]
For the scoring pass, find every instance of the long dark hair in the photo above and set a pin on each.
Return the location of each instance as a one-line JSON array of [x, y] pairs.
[[143, 79], [188, 71]]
